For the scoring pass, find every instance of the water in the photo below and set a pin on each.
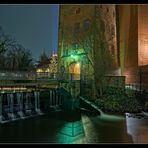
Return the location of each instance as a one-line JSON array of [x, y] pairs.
[[11, 116], [53, 128], [21, 114]]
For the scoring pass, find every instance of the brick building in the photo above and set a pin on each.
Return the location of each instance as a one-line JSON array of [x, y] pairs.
[[76, 55], [133, 43], [126, 36]]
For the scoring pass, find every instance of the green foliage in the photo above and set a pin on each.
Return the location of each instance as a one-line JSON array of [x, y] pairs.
[[116, 100], [103, 61], [114, 91], [130, 93], [95, 45]]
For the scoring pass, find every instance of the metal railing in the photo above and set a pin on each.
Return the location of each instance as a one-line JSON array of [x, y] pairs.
[[17, 75], [38, 76], [137, 87]]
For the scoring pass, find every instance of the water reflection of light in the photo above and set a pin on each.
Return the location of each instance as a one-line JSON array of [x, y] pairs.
[[110, 117], [130, 123], [135, 126], [70, 132], [90, 130]]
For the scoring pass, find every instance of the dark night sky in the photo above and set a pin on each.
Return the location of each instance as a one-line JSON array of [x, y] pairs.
[[33, 26]]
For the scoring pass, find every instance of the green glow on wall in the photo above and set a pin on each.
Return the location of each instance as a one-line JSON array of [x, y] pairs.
[[73, 56]]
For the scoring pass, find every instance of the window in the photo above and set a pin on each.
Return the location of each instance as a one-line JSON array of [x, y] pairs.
[[77, 11], [86, 24], [75, 47], [77, 27]]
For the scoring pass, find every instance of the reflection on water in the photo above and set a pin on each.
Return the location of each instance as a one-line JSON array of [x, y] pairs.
[[89, 129], [105, 129], [138, 128], [110, 117]]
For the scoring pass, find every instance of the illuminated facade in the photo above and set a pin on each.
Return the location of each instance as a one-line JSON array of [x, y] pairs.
[[50, 67], [133, 42], [142, 35], [125, 29], [128, 41], [74, 21]]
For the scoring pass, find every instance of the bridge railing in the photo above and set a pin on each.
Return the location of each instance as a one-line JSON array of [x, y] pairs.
[[38, 76], [17, 75]]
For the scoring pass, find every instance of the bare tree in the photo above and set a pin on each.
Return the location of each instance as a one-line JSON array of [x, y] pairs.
[[19, 58], [13, 56], [94, 43], [6, 42]]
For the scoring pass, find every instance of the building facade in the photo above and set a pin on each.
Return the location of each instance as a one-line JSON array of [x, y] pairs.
[[124, 31], [132, 39], [76, 51]]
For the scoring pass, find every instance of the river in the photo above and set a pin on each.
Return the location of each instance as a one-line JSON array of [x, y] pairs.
[[52, 128]]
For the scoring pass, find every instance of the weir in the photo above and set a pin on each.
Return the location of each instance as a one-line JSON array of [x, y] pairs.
[[17, 105], [21, 105]]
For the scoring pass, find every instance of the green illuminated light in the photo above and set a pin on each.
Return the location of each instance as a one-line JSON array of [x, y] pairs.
[[73, 56]]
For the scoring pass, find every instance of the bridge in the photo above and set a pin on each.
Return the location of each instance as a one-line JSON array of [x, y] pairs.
[[21, 94], [35, 79]]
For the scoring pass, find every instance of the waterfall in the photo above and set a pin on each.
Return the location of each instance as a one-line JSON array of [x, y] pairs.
[[20, 103], [53, 98], [27, 108], [57, 99], [11, 115], [50, 98], [37, 102], [1, 116]]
